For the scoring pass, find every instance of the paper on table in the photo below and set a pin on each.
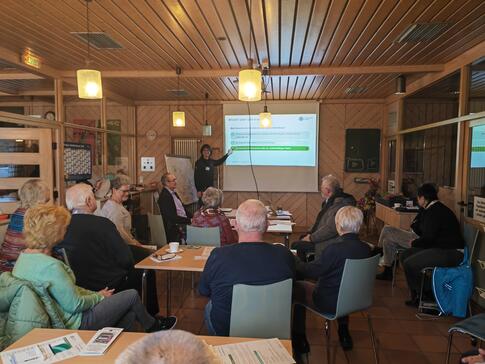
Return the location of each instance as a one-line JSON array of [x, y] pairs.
[[177, 257], [279, 228], [281, 222], [49, 351], [205, 253], [269, 351], [101, 341]]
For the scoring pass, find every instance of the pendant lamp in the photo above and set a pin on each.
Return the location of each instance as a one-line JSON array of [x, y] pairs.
[[265, 117], [206, 129], [89, 85], [400, 85], [178, 117]]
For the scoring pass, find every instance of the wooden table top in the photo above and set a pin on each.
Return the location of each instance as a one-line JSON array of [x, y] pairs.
[[125, 339], [188, 263]]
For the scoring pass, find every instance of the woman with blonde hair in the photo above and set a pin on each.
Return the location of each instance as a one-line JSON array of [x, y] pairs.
[[79, 308], [33, 192]]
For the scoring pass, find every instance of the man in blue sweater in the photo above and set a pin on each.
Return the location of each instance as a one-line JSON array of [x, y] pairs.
[[251, 261]]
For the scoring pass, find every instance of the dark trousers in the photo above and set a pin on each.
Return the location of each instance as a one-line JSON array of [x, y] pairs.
[[415, 259], [303, 297], [303, 248], [133, 280]]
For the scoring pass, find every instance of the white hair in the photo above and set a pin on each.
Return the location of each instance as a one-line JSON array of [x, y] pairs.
[[251, 216], [331, 182], [348, 220], [212, 197], [78, 195], [169, 347]]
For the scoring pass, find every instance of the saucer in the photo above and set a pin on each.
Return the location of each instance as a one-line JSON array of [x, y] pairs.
[[178, 251]]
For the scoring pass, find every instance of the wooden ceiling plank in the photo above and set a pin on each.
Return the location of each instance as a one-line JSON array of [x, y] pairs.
[[301, 27], [286, 31], [300, 83], [270, 10], [437, 13], [290, 93], [344, 27], [335, 13], [394, 26], [315, 30], [18, 75], [184, 25], [372, 14], [327, 85], [259, 31]]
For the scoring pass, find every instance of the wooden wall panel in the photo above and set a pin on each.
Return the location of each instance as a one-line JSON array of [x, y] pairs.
[[334, 118]]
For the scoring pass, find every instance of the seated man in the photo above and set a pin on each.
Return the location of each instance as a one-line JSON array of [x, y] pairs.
[[439, 244], [323, 232], [251, 261], [97, 253], [171, 208], [328, 269]]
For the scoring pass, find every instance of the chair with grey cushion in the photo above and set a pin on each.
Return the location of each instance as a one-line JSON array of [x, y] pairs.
[[355, 294], [157, 230], [473, 326], [261, 311], [207, 236]]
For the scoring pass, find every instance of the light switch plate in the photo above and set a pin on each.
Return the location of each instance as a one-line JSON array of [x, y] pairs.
[[148, 164]]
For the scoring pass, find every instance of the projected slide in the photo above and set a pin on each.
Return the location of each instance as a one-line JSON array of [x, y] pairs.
[[478, 147], [291, 141]]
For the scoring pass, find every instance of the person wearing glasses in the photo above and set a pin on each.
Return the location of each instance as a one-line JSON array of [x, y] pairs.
[[175, 216]]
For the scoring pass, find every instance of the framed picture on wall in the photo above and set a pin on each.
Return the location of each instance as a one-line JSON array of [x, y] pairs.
[[89, 137]]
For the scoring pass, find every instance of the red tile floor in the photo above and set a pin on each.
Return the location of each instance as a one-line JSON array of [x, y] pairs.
[[402, 337]]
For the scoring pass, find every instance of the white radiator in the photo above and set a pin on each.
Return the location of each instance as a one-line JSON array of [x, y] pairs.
[[187, 147]]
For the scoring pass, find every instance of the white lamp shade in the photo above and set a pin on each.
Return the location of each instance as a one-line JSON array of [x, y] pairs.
[[207, 130], [265, 120], [178, 118], [89, 84], [250, 85]]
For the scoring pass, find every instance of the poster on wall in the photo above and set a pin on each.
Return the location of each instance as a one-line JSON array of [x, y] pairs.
[[479, 208], [89, 137], [77, 161]]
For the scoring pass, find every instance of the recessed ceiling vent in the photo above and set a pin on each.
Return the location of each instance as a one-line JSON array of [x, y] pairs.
[[422, 32], [355, 90], [178, 93], [98, 40]]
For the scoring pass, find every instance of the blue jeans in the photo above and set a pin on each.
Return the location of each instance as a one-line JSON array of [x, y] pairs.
[[207, 318]]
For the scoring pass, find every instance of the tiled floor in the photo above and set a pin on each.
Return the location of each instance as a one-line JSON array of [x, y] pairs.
[[402, 337]]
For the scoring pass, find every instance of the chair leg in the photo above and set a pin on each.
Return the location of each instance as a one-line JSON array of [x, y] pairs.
[[327, 337], [448, 350], [373, 339], [420, 307], [394, 268]]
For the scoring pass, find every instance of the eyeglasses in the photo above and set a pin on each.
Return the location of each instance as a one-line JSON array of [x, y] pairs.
[[172, 180], [124, 191]]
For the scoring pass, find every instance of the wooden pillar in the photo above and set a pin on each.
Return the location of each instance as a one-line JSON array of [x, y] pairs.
[[105, 135], [399, 146], [59, 138]]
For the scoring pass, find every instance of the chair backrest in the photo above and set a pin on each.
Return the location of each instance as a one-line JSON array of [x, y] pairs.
[[357, 285], [210, 236], [470, 234], [156, 208], [261, 311], [157, 230]]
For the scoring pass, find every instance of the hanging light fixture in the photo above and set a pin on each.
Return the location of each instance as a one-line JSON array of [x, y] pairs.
[[206, 129], [250, 79], [89, 84], [265, 117], [400, 85], [178, 117]]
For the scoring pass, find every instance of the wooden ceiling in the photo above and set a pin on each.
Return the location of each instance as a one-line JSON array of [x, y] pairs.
[[212, 35]]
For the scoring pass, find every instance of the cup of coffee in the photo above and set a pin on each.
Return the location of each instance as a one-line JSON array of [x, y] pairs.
[[409, 203], [173, 247]]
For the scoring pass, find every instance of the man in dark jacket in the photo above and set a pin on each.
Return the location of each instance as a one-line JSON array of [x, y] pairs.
[[439, 242], [204, 169], [328, 270], [323, 233], [175, 216]]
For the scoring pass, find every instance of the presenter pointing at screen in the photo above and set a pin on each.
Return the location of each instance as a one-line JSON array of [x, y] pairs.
[[204, 169]]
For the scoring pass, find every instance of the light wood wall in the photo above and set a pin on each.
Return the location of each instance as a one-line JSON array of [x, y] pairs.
[[335, 117]]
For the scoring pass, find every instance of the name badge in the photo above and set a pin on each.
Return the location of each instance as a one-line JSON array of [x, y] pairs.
[[207, 168]]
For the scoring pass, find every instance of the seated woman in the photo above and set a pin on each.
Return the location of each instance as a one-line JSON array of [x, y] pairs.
[[79, 308], [210, 215], [32, 192], [438, 244], [328, 269]]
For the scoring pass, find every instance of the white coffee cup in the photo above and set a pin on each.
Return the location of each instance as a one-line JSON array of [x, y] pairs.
[[173, 247], [409, 203]]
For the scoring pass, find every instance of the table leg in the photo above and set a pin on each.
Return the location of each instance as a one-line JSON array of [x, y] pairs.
[[144, 287], [169, 291], [287, 240]]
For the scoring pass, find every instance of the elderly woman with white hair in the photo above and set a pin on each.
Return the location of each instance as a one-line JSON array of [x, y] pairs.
[[327, 270], [32, 192], [210, 215]]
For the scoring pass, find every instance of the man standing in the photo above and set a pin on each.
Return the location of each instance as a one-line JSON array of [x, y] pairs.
[[251, 261], [323, 233], [174, 214]]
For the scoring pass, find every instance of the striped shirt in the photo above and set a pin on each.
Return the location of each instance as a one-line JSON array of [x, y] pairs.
[[14, 241]]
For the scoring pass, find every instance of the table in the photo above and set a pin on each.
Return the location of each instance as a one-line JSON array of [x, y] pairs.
[[186, 264], [399, 219], [125, 339]]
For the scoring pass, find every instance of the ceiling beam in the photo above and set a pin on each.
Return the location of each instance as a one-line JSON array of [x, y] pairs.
[[18, 75], [276, 71]]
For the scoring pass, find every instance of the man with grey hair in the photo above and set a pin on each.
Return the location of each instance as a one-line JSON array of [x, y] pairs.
[[328, 270], [251, 261], [323, 232], [97, 253]]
